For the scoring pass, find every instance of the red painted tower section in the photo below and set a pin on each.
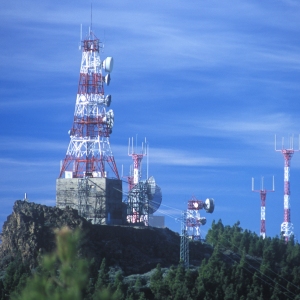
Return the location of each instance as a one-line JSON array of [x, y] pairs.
[[135, 174], [287, 228], [193, 220], [89, 153], [263, 196]]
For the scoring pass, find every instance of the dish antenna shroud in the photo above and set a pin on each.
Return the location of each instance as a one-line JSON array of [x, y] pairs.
[[143, 199]]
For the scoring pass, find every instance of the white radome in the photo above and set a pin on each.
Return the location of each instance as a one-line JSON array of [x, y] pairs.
[[108, 64]]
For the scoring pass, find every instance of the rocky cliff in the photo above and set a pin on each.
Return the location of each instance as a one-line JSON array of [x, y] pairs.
[[29, 230]]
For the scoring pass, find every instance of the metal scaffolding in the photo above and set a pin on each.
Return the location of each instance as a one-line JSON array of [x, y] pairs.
[[184, 241]]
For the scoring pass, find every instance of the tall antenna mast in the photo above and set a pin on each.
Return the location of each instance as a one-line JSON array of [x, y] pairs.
[[137, 159], [263, 195], [91, 17], [148, 153], [287, 226], [89, 152], [184, 241], [193, 218]]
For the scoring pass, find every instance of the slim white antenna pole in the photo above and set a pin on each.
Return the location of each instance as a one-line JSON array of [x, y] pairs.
[[80, 36], [136, 142], [147, 145], [91, 17]]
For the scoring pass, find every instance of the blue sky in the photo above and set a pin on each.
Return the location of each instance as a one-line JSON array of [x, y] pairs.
[[209, 83]]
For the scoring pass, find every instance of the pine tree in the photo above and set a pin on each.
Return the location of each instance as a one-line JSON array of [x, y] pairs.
[[15, 277], [157, 284], [118, 286], [102, 280], [62, 274]]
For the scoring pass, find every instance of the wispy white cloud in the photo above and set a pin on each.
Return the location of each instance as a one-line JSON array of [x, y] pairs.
[[183, 158], [26, 163], [231, 124], [205, 40], [169, 156], [32, 144]]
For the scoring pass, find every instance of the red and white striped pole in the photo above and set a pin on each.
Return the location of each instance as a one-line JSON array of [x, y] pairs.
[[263, 196], [287, 228]]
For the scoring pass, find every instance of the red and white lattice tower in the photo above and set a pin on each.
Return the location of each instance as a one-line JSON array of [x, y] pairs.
[[193, 219], [263, 195], [89, 151], [137, 190], [135, 174], [287, 228]]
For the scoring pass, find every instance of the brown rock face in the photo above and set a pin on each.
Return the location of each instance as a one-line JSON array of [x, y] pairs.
[[29, 230]]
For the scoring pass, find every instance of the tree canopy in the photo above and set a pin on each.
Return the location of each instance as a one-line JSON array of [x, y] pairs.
[[243, 266]]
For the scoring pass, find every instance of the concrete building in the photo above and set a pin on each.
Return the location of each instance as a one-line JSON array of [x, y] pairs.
[[98, 199], [157, 221]]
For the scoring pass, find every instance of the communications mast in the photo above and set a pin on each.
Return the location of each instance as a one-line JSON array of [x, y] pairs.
[[190, 225], [287, 228], [137, 190], [193, 221], [263, 195], [134, 178], [89, 152]]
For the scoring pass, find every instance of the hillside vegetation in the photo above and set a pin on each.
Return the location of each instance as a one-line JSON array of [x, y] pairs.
[[232, 264]]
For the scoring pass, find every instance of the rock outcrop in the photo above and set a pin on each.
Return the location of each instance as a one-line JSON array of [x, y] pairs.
[[29, 230]]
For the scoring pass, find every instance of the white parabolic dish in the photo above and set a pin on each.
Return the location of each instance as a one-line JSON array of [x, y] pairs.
[[108, 64]]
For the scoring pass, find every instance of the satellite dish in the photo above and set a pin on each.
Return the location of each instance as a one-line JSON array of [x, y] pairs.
[[155, 201], [109, 119], [107, 100], [209, 205], [107, 79], [202, 220], [151, 187], [108, 64]]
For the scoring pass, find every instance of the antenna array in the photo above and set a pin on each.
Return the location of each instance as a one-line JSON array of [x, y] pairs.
[[287, 228], [263, 195]]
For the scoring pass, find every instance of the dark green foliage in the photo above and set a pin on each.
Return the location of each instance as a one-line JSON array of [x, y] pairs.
[[102, 280], [158, 285], [62, 275], [15, 278], [243, 266]]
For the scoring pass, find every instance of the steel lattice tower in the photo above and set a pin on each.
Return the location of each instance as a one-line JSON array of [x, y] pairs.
[[134, 178], [190, 225], [263, 195], [89, 152], [137, 190], [287, 228], [184, 241], [193, 218]]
